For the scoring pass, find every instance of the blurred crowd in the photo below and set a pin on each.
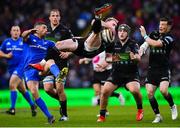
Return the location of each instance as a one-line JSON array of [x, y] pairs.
[[77, 15]]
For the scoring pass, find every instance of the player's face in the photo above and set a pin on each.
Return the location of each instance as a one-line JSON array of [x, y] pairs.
[[54, 17], [15, 32], [122, 34], [112, 23], [163, 27], [41, 30]]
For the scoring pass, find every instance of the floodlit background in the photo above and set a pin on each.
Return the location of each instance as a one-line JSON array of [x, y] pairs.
[[77, 14]]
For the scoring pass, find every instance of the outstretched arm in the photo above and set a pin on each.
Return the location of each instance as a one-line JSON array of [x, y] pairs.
[[151, 42]]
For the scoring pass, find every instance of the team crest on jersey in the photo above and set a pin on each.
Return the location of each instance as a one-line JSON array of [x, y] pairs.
[[58, 35]]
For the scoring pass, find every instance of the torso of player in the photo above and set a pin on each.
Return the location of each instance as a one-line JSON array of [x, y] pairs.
[[58, 34], [99, 59], [125, 65], [159, 56], [14, 46], [37, 49]]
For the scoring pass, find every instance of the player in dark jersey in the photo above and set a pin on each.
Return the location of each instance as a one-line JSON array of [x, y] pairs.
[[124, 71], [12, 49], [57, 32], [160, 43]]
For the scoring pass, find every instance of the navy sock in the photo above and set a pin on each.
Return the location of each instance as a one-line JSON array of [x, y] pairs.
[[13, 98], [54, 70], [169, 99], [28, 98], [63, 108], [154, 105], [43, 107], [103, 113]]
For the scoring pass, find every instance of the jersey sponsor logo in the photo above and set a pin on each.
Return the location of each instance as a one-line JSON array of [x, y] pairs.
[[14, 49], [38, 46]]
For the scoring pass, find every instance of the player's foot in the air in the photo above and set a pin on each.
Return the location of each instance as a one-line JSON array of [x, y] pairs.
[[34, 110], [37, 66], [11, 111], [103, 9], [101, 119], [51, 120], [62, 75], [139, 115]]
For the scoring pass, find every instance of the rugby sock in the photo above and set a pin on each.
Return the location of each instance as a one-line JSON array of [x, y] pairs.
[[139, 106], [54, 70], [43, 107], [28, 98], [154, 105], [13, 98], [115, 94], [63, 109], [169, 99], [103, 113], [98, 101]]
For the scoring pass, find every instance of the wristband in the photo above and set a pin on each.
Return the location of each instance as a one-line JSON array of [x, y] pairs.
[[145, 37]]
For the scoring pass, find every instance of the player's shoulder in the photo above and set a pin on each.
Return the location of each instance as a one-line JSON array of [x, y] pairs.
[[63, 27], [7, 40], [169, 36], [132, 42]]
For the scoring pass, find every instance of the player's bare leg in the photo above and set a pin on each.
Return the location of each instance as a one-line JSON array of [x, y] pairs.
[[134, 88]]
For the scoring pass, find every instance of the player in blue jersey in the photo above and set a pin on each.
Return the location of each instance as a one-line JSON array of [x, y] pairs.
[[37, 51], [12, 49]]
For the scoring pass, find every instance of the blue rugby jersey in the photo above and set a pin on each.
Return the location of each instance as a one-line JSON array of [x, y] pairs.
[[36, 50], [16, 47]]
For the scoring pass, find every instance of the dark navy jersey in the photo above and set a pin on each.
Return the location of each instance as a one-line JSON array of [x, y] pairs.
[[37, 49], [14, 46], [159, 56], [59, 33], [125, 65], [80, 51]]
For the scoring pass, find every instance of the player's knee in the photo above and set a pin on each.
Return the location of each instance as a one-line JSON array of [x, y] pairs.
[[50, 62], [150, 93], [163, 91]]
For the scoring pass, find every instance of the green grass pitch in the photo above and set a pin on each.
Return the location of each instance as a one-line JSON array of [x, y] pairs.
[[120, 116]]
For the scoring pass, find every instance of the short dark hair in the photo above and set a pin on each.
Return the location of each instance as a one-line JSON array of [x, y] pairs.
[[39, 23], [168, 19]]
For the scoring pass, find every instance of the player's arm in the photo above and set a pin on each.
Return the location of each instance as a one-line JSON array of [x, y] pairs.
[[135, 56], [143, 48], [4, 55], [26, 33], [151, 42]]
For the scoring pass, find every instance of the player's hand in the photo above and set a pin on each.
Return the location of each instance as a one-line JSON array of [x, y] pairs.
[[83, 61], [33, 30], [132, 56], [99, 68], [64, 55], [9, 55], [143, 31]]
